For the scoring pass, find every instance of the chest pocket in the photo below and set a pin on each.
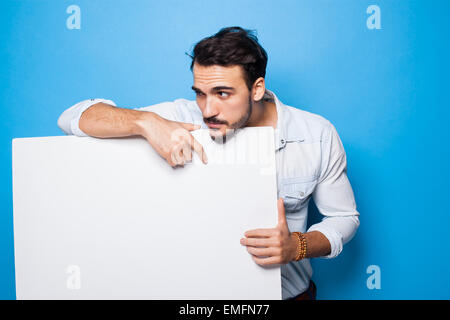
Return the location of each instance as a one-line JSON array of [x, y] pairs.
[[296, 192]]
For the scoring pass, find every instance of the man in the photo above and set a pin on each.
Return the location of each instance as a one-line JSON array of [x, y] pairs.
[[229, 69]]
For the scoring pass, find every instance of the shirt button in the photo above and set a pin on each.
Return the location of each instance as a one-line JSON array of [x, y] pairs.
[[302, 193]]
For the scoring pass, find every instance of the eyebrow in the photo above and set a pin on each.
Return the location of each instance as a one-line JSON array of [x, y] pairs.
[[218, 88]]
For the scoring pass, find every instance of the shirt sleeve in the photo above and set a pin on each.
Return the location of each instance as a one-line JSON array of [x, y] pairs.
[[167, 110], [334, 196], [70, 118]]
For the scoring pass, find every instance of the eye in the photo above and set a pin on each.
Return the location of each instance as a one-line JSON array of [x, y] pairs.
[[223, 94], [198, 93]]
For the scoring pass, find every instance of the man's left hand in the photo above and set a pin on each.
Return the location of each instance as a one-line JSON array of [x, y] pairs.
[[272, 246]]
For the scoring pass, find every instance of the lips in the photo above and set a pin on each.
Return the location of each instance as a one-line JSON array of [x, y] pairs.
[[214, 125]]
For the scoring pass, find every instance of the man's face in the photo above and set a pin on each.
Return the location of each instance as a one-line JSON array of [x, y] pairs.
[[223, 98]]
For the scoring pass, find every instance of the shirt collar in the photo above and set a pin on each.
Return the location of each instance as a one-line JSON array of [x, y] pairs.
[[284, 132]]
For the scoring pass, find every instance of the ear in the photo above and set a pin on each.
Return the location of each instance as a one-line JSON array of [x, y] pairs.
[[258, 89]]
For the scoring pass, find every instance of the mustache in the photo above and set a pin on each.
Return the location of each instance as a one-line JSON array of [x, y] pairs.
[[214, 121]]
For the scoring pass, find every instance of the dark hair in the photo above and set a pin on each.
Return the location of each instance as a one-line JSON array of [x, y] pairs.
[[233, 46]]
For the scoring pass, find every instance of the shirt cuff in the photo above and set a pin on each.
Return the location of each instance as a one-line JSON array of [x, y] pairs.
[[333, 237], [338, 231]]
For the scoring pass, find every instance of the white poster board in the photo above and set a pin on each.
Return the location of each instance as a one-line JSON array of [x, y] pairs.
[[111, 219]]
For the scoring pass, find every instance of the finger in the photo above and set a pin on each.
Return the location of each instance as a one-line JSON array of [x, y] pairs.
[[264, 252], [260, 233], [267, 261], [180, 156], [170, 161], [199, 149], [258, 242], [174, 160], [281, 212], [190, 126], [187, 152], [177, 157]]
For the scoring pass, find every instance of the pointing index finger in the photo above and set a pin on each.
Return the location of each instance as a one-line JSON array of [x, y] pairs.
[[199, 149]]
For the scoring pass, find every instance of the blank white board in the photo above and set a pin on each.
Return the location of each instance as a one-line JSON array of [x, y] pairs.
[[111, 219]]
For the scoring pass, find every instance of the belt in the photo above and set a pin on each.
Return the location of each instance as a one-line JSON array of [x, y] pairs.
[[308, 294]]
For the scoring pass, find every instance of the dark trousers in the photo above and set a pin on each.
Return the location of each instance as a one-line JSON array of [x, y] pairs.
[[309, 294]]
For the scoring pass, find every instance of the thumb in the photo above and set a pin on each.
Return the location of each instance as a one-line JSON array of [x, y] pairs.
[[190, 126], [281, 212]]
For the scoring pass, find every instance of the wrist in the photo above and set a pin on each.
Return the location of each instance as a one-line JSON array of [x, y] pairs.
[[301, 246], [143, 123], [294, 245]]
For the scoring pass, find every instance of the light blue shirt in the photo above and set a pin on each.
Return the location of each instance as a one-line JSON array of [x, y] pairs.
[[311, 163]]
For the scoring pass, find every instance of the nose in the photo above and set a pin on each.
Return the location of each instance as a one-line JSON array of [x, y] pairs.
[[210, 108]]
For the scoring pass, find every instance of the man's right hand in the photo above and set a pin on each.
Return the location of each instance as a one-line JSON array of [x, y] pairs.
[[171, 139]]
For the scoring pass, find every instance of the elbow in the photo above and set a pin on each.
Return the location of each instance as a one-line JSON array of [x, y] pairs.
[[350, 231], [68, 120], [64, 123]]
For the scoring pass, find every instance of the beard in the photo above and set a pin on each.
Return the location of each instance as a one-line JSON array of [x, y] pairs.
[[220, 137]]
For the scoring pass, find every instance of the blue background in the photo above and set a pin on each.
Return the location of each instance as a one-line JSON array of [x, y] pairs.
[[386, 92]]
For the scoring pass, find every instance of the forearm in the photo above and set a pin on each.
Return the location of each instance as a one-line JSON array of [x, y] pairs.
[[105, 121], [317, 245]]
